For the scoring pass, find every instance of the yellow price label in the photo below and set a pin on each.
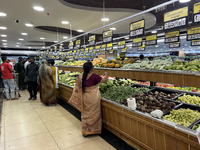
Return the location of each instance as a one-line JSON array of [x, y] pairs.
[[107, 34], [122, 43], [97, 47], [109, 45], [137, 40], [151, 37], [91, 48], [78, 42], [172, 34], [103, 46], [137, 25], [92, 38], [195, 30]]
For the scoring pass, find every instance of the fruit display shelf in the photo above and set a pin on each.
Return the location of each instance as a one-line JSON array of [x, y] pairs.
[[141, 130], [184, 78]]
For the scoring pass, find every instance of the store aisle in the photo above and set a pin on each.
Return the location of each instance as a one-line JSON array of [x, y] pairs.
[[29, 125]]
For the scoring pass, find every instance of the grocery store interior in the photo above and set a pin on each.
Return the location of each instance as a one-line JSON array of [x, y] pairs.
[[143, 82]]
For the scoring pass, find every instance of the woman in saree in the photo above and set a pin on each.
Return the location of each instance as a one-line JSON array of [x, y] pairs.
[[86, 97], [47, 89], [19, 68], [55, 74]]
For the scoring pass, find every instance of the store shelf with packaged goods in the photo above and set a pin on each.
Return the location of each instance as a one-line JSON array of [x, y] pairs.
[[139, 129]]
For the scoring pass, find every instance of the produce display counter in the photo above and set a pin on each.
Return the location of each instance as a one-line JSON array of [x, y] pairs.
[[141, 130], [184, 78]]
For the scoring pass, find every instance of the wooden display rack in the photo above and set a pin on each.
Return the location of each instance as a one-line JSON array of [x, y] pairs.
[[140, 130]]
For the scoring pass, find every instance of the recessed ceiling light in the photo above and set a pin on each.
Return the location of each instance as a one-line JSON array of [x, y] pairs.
[[21, 39], [153, 32], [127, 37], [38, 8], [3, 35], [184, 1], [113, 28], [3, 28], [43, 46], [4, 43], [29, 24], [104, 19], [156, 46], [17, 45], [24, 34], [4, 46], [42, 38], [4, 40], [80, 30], [65, 22], [2, 14], [29, 47], [65, 37], [55, 41], [185, 44]]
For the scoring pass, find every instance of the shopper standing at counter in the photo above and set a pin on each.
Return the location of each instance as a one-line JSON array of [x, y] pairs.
[[86, 97], [141, 57], [27, 62], [8, 80]]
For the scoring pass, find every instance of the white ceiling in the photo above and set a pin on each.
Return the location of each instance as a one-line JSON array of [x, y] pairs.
[[80, 19]]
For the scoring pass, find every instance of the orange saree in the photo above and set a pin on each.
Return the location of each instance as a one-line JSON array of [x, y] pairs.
[[89, 103]]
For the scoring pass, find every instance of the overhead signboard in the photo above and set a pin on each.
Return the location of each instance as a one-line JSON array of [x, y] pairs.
[[171, 37], [97, 48], [124, 50], [193, 33], [196, 13], [109, 46], [111, 51], [103, 47], [141, 48], [137, 28], [78, 44], [92, 40], [195, 42], [137, 42], [91, 49], [151, 40], [107, 36], [71, 45], [175, 44], [176, 18], [121, 44], [86, 50]]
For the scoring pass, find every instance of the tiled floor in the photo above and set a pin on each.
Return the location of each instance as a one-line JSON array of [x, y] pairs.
[[29, 125]]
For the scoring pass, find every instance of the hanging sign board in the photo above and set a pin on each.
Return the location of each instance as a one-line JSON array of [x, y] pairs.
[[195, 42], [103, 47], [137, 42], [137, 28], [78, 43], [151, 40], [91, 49], [175, 45], [196, 13], [78, 51], [107, 36], [141, 48], [111, 51], [121, 44], [51, 50], [71, 45], [92, 40], [193, 33], [109, 46], [99, 53], [86, 50], [176, 18], [124, 50], [97, 48], [171, 37]]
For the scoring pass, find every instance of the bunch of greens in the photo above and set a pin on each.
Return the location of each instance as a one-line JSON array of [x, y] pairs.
[[119, 93], [104, 86]]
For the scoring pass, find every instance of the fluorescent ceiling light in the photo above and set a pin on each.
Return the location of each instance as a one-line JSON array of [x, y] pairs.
[[3, 35], [127, 37], [185, 44], [29, 24], [65, 22], [80, 30], [55, 41], [156, 46], [2, 14], [153, 32], [4, 43], [43, 46], [4, 40], [3, 28], [17, 45], [42, 38], [21, 39], [4, 46], [184, 1], [65, 37], [104, 19], [24, 34], [38, 8], [113, 28], [29, 47]]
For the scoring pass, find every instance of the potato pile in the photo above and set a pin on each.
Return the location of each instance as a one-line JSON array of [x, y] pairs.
[[163, 95]]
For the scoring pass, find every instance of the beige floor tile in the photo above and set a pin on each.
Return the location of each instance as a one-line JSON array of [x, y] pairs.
[[60, 122], [2, 135], [49, 112], [38, 142], [70, 136], [1, 146], [2, 119], [14, 119], [24, 130], [98, 144]]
